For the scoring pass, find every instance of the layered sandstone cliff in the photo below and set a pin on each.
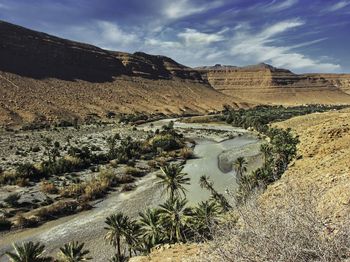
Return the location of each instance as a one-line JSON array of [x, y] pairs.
[[341, 81], [266, 84]]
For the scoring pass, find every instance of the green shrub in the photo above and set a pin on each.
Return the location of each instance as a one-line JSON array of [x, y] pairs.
[[166, 142]]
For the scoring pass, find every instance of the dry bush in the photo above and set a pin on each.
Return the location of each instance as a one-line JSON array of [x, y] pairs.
[[186, 153], [95, 189], [8, 177], [22, 182], [128, 187], [152, 163], [290, 233], [133, 171], [108, 176], [125, 179], [61, 208], [23, 222], [48, 187], [73, 190]]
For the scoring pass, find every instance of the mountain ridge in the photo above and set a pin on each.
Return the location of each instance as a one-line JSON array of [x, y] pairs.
[[47, 78], [265, 84]]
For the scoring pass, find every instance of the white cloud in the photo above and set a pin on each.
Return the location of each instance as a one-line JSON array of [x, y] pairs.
[[182, 8], [112, 33], [194, 37], [281, 5], [261, 47], [162, 44], [338, 6], [104, 34]]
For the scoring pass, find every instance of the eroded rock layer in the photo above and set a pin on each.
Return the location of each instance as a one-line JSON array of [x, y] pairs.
[[265, 84], [341, 81]]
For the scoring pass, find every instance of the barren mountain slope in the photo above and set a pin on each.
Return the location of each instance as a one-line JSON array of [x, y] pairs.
[[268, 85], [43, 77], [323, 172]]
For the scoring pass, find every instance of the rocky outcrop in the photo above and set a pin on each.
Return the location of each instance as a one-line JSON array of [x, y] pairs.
[[156, 67], [266, 84]]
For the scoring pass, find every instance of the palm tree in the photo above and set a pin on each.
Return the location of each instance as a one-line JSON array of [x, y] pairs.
[[204, 216], [151, 229], [74, 252], [205, 182], [173, 180], [116, 225], [172, 217], [266, 151], [240, 166], [131, 234], [28, 252]]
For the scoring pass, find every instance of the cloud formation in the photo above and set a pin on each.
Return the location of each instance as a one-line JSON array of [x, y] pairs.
[[338, 6], [286, 33], [262, 47]]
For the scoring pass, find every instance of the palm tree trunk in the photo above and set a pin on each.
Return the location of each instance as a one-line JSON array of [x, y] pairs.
[[118, 248]]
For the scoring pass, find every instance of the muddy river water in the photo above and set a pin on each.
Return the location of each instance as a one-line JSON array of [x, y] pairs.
[[214, 156]]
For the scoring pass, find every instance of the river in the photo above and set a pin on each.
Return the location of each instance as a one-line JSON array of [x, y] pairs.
[[214, 154]]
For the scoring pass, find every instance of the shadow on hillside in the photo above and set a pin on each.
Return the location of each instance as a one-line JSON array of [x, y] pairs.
[[67, 66]]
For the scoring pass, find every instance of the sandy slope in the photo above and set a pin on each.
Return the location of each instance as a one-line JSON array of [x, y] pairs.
[[24, 99], [323, 172]]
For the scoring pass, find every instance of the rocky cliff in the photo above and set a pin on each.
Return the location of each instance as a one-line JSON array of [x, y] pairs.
[[43, 77], [266, 84], [341, 81]]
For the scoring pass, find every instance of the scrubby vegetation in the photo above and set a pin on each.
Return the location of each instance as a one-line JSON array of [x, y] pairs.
[[295, 233], [259, 117]]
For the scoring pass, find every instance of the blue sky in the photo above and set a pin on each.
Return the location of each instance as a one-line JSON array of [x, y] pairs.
[[301, 35]]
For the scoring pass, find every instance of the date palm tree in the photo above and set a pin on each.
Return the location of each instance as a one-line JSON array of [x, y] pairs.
[[173, 218], [116, 225], [74, 252], [240, 167], [28, 252], [173, 180], [204, 216], [266, 149], [151, 228], [205, 182], [131, 235]]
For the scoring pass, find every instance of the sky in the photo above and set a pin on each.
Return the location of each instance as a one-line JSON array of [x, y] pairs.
[[300, 35]]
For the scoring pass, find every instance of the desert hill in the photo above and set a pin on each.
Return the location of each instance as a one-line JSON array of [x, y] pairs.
[[46, 78], [266, 84]]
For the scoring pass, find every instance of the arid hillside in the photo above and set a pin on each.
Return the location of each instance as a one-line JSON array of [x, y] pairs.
[[269, 85], [323, 168], [43, 77]]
